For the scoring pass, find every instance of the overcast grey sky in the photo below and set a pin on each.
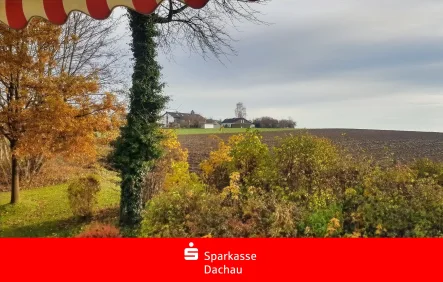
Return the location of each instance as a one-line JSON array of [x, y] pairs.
[[327, 64]]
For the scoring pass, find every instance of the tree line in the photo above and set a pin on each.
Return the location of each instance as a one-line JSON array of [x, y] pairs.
[[269, 122]]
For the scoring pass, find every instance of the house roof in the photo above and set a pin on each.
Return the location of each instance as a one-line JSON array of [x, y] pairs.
[[186, 116], [235, 120], [212, 121]]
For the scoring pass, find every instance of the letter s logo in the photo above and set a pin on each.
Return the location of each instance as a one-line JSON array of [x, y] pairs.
[[191, 253]]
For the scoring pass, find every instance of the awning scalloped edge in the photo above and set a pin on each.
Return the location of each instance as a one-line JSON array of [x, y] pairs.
[[17, 13]]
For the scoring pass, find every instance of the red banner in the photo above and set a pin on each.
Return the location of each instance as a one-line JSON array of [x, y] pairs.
[[220, 259]]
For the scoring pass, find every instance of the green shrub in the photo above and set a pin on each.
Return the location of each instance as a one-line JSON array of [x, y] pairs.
[[265, 215], [216, 169], [185, 212], [250, 158], [392, 202], [428, 169], [82, 194], [304, 161], [320, 223], [196, 212], [304, 187], [243, 153], [172, 166]]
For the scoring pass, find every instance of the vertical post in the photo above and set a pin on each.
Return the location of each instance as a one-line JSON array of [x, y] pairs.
[[15, 180]]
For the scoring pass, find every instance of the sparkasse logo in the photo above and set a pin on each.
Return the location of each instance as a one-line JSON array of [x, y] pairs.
[[220, 263], [191, 253]]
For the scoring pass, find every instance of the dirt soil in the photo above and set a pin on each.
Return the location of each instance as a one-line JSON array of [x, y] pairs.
[[401, 146]]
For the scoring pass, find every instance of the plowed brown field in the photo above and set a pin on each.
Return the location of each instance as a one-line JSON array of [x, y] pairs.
[[402, 146]]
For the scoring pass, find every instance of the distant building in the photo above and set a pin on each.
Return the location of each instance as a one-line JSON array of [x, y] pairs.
[[211, 123], [185, 120], [237, 123]]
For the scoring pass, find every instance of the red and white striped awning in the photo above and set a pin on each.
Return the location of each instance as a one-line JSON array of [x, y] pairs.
[[17, 13]]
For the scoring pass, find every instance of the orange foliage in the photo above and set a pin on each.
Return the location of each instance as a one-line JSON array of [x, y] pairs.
[[44, 110]]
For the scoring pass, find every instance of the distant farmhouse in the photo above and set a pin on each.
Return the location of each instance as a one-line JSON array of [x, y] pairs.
[[212, 123], [186, 120], [237, 123]]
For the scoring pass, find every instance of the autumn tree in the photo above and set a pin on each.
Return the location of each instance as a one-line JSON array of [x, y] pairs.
[[90, 48], [43, 111]]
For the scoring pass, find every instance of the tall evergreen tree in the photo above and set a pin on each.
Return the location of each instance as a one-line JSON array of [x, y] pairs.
[[138, 146], [204, 30]]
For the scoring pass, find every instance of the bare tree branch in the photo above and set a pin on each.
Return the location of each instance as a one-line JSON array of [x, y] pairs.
[[90, 46], [204, 31]]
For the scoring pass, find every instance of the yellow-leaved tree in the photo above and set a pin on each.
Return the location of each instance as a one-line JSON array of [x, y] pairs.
[[45, 111]]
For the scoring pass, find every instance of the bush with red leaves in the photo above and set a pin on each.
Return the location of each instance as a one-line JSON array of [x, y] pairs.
[[99, 230]]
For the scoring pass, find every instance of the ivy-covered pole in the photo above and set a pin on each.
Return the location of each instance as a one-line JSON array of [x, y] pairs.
[[138, 147]]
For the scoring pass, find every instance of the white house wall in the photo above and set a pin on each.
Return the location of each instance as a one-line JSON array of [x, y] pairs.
[[165, 120]]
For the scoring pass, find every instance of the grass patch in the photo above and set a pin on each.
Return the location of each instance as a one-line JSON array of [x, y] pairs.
[[45, 212], [189, 131]]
